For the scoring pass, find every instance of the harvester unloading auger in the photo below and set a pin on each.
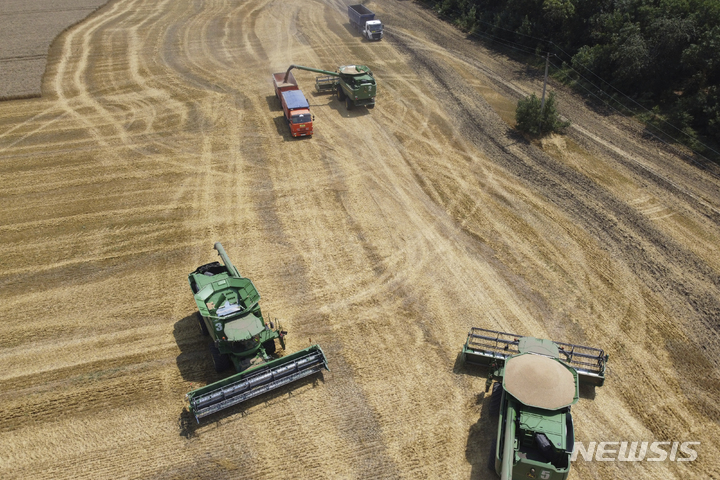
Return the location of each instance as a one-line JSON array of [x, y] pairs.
[[229, 312], [534, 383], [355, 84]]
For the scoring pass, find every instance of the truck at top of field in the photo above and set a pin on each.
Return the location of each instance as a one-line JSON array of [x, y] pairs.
[[364, 22], [294, 104]]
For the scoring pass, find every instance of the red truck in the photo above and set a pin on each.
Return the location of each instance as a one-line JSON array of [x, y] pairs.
[[295, 105]]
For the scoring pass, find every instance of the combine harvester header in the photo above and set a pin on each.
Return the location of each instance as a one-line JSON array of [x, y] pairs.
[[485, 347], [256, 381], [229, 308]]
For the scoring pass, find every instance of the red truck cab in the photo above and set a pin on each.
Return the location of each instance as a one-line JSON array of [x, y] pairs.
[[295, 106]]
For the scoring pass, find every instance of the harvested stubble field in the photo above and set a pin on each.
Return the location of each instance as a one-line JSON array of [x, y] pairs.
[[383, 238], [28, 28]]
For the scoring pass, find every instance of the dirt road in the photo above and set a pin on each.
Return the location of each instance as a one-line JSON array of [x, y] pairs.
[[383, 238]]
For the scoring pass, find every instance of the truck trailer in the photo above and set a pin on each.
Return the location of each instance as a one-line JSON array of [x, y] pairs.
[[364, 22], [296, 108]]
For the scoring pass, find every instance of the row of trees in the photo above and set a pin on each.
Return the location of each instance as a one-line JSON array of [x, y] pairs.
[[663, 54]]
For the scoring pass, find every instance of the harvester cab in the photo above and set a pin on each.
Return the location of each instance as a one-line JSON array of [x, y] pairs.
[[229, 312], [534, 383]]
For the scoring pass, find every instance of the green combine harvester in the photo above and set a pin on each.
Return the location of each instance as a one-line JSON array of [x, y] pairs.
[[534, 383], [355, 84], [230, 314]]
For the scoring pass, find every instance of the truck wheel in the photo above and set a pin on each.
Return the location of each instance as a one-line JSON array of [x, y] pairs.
[[372, 105], [349, 104], [203, 327], [494, 407], [269, 346], [341, 94], [221, 362]]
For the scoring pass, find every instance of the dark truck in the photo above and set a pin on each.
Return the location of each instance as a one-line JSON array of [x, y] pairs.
[[294, 104], [364, 22]]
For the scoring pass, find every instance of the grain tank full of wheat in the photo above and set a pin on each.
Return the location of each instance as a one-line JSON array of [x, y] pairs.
[[229, 313], [534, 383]]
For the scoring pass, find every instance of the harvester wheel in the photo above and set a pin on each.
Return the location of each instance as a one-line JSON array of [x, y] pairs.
[[203, 327], [491, 458], [495, 397], [341, 94], [269, 346], [349, 104], [221, 362]]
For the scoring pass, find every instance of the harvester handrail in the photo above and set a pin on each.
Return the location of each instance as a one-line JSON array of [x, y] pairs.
[[234, 315]]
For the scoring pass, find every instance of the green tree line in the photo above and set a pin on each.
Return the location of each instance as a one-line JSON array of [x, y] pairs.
[[663, 54]]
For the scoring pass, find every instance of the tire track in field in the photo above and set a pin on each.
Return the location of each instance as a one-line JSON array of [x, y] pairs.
[[253, 160], [367, 293], [562, 185], [358, 322], [384, 238], [636, 255], [108, 112]]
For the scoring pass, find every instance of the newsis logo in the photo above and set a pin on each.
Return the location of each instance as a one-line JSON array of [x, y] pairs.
[[635, 451]]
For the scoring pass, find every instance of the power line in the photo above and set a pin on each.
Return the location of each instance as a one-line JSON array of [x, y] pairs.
[[504, 41], [507, 43], [514, 32], [641, 107], [680, 152], [527, 50]]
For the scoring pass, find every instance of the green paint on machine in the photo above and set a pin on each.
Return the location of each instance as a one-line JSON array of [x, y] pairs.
[[534, 383], [229, 313]]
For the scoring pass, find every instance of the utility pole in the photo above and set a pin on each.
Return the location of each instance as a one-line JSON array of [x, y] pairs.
[[542, 103]]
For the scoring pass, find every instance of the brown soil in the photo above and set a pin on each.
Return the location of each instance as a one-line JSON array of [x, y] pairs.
[[383, 238]]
